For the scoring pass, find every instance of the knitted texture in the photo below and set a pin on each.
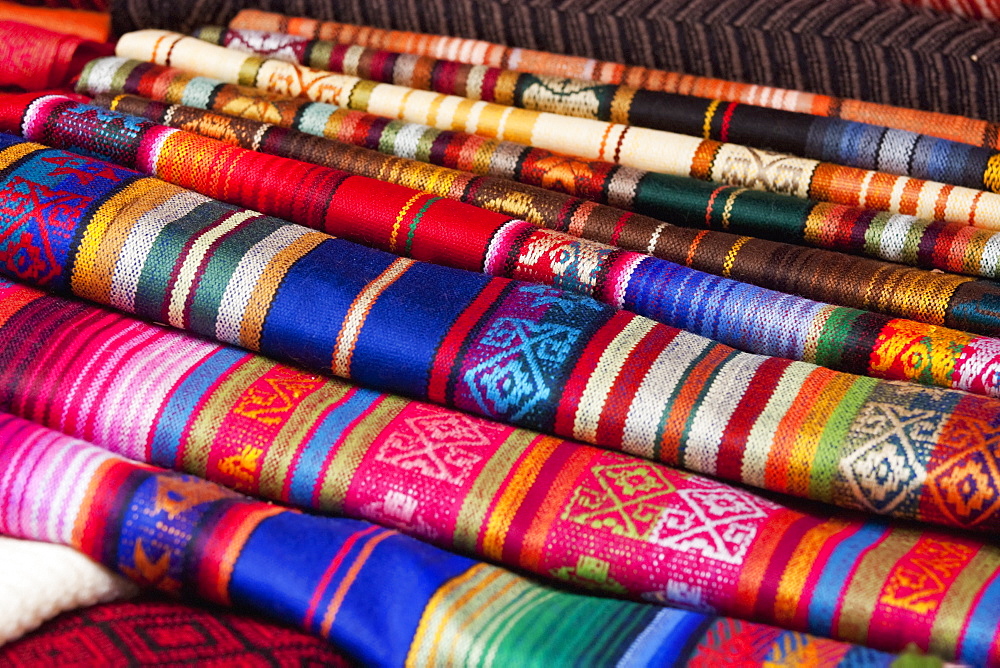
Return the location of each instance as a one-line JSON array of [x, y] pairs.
[[844, 143], [565, 511], [530, 355], [477, 52], [39, 580], [86, 25], [953, 247], [381, 598], [641, 148], [976, 9], [157, 632], [419, 225]]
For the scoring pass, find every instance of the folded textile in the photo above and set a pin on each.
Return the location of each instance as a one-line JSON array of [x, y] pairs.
[[380, 597], [737, 314], [36, 59], [531, 355], [86, 25], [157, 632], [835, 141], [476, 52], [40, 580], [900, 238], [627, 145]]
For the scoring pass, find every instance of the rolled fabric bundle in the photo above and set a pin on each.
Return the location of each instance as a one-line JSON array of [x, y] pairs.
[[86, 25], [565, 511], [744, 316], [380, 597], [36, 59], [530, 355], [478, 52], [956, 248], [640, 148], [39, 581], [862, 145], [155, 631]]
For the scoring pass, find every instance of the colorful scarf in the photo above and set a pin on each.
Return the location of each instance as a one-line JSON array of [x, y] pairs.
[[955, 247], [40, 580], [859, 145], [477, 52], [156, 632], [737, 314], [35, 58], [530, 355], [380, 597], [627, 145]]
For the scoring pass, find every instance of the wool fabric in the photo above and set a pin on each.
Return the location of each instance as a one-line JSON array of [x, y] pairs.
[[381, 598], [530, 355], [738, 314], [953, 247], [478, 52], [568, 512], [975, 9], [859, 145], [155, 631], [640, 148], [40, 580], [35, 58], [86, 25]]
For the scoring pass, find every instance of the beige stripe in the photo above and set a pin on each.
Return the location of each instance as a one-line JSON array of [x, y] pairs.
[[595, 395], [350, 329], [761, 438]]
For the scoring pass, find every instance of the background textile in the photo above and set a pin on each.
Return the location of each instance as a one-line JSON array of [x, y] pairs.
[[804, 135], [157, 632], [860, 283], [872, 50], [35, 58], [630, 146], [380, 597], [88, 25], [737, 314], [40, 580], [530, 355]]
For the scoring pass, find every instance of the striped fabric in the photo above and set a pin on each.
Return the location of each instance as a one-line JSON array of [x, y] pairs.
[[844, 143], [530, 355], [565, 511], [976, 9], [738, 314], [954, 247], [640, 148], [478, 52]]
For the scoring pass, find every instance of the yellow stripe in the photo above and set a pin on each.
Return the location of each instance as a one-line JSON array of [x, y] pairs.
[[437, 601], [399, 220], [706, 128], [727, 263]]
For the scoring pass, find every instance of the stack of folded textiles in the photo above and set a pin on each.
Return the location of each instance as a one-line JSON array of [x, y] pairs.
[[343, 344]]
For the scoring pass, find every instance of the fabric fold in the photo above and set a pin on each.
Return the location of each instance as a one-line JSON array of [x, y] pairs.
[[472, 51], [457, 235], [531, 355], [952, 247], [639, 148], [860, 145], [380, 597]]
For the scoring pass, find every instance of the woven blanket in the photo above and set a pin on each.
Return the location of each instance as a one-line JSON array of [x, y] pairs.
[[531, 355], [564, 511], [829, 140], [955, 247], [40, 580], [738, 314], [868, 49], [477, 52], [158, 632], [380, 597], [35, 58], [641, 148], [976, 9], [85, 25]]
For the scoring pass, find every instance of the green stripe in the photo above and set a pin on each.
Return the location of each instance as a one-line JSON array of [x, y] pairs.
[[706, 386], [835, 332], [834, 444], [668, 405], [416, 221]]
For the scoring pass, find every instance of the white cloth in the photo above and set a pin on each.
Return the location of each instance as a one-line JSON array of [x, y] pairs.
[[39, 581]]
